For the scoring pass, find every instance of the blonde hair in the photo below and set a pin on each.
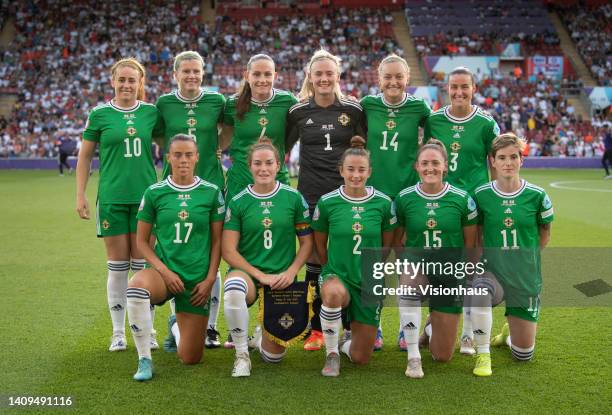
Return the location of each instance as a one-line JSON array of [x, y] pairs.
[[134, 64], [187, 55], [507, 140], [392, 58], [307, 90]]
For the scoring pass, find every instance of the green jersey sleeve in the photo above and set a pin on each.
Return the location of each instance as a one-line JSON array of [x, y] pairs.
[[426, 112], [390, 217], [470, 215], [146, 210], [229, 112], [301, 216], [92, 130], [545, 211], [493, 132], [218, 213], [320, 218], [232, 217]]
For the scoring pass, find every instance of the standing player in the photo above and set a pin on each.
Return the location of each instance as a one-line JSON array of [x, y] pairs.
[[467, 132], [325, 124], [434, 215], [187, 213], [516, 219], [192, 110], [394, 118], [258, 110], [346, 221], [259, 245], [123, 130]]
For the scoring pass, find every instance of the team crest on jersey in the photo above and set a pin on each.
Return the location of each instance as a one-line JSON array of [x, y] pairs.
[[508, 222], [431, 223], [263, 121], [357, 227], [105, 224], [266, 222], [357, 210], [183, 214], [455, 146], [191, 122], [131, 131], [344, 119], [390, 124]]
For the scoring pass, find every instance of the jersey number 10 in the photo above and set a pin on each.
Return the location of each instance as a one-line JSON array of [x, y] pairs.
[[133, 148]]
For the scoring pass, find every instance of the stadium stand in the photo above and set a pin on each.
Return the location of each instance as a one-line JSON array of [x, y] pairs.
[[591, 30], [480, 27], [58, 62]]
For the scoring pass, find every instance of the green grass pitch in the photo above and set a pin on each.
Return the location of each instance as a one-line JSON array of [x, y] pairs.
[[56, 328]]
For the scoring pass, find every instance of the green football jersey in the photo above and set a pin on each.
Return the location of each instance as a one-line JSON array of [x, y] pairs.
[[510, 230], [468, 142], [352, 225], [266, 118], [268, 225], [197, 117], [435, 221], [181, 216], [393, 140], [124, 140]]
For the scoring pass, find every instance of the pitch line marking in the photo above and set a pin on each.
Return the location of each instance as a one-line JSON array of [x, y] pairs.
[[564, 186]]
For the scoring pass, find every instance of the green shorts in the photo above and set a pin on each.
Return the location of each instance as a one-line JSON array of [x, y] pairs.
[[356, 310], [182, 302], [116, 219], [255, 282], [528, 308], [450, 304]]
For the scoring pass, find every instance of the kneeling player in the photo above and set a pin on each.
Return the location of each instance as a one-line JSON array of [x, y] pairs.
[[346, 221], [187, 213], [516, 218], [435, 215], [259, 246]]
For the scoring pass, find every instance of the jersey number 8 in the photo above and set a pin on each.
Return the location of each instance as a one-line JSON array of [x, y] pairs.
[[267, 239]]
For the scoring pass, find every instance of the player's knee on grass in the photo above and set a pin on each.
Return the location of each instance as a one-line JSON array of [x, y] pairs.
[[360, 356], [333, 293]]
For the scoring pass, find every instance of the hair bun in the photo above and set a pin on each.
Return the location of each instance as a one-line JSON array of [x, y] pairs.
[[264, 140], [358, 141]]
